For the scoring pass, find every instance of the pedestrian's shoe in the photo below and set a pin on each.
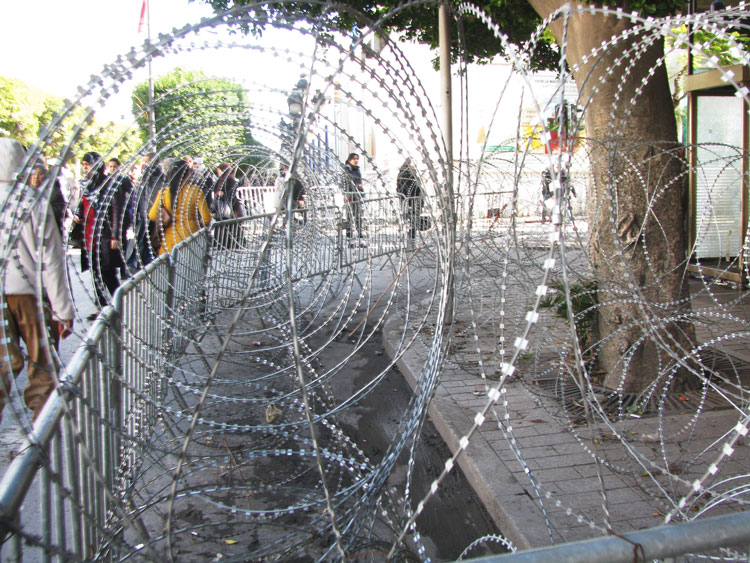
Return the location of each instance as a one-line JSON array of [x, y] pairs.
[[93, 316]]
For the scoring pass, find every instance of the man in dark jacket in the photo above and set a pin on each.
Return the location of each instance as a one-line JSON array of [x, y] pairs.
[[100, 212], [353, 194], [409, 188], [152, 180]]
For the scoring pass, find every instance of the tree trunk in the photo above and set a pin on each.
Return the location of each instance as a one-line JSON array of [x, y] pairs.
[[635, 205]]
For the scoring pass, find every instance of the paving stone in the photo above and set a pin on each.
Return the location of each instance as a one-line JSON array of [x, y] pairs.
[[570, 460], [545, 439], [556, 474], [552, 451], [524, 432]]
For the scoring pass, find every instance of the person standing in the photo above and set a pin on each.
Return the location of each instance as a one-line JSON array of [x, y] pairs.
[[151, 182], [68, 186], [226, 205], [224, 202], [179, 209], [409, 188], [100, 212], [123, 186], [298, 199], [39, 316], [298, 193], [353, 193], [203, 178], [547, 195], [549, 198], [56, 200]]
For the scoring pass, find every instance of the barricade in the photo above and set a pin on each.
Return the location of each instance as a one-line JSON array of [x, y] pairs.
[[82, 450], [107, 400]]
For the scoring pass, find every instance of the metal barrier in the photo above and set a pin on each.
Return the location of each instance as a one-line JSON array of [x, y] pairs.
[[82, 451], [109, 398], [658, 543]]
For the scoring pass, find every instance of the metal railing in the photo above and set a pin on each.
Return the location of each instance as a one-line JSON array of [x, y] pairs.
[[83, 448], [658, 543], [107, 401]]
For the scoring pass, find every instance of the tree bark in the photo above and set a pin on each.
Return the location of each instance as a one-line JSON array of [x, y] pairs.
[[635, 205]]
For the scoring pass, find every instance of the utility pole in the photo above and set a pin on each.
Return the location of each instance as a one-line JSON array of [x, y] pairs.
[[444, 37]]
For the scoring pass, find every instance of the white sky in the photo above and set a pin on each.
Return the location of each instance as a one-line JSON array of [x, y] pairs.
[[57, 45]]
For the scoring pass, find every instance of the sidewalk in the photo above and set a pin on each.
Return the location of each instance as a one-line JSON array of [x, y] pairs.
[[531, 461]]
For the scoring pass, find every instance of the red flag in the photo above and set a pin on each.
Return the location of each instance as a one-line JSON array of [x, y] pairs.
[[143, 16]]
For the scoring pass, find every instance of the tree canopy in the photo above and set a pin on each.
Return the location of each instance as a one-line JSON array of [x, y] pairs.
[[515, 18], [185, 104], [26, 111]]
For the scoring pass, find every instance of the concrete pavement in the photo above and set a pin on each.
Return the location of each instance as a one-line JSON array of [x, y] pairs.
[[544, 475]]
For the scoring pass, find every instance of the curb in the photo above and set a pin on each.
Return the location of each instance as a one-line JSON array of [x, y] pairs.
[[480, 460]]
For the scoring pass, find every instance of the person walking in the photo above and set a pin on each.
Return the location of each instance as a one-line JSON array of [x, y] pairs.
[[409, 189], [39, 316], [124, 188], [226, 205], [56, 199], [179, 209], [353, 191], [547, 195], [100, 212]]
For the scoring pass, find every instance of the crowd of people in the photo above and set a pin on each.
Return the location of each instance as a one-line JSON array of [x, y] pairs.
[[122, 219]]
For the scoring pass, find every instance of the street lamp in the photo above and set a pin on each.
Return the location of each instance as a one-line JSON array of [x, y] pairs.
[[296, 99]]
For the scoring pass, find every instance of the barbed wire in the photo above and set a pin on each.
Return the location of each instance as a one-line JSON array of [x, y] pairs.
[[239, 435]]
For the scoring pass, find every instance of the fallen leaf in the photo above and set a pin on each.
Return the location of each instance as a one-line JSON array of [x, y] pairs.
[[683, 398], [272, 412], [230, 542], [538, 420]]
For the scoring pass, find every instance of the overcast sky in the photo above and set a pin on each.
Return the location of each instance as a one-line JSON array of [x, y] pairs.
[[57, 45]]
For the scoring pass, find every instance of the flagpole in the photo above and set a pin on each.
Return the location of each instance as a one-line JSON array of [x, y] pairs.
[[151, 118]]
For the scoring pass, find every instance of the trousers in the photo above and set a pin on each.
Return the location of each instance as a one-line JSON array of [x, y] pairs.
[[25, 322]]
